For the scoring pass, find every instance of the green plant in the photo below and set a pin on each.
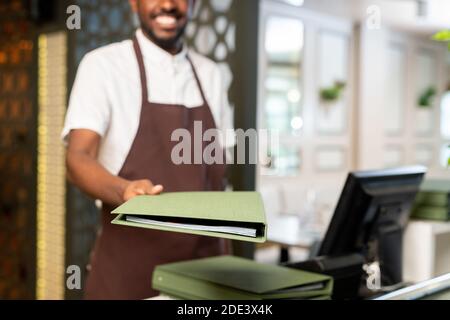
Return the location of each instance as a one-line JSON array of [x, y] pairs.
[[443, 36], [448, 160], [333, 93], [426, 98]]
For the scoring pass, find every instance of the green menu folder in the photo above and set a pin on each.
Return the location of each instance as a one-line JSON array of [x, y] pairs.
[[229, 215], [435, 193], [432, 213], [232, 278]]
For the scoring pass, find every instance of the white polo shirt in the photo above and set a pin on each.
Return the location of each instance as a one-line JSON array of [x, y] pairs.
[[106, 95]]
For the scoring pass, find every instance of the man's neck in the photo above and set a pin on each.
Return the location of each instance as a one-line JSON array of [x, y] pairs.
[[174, 49]]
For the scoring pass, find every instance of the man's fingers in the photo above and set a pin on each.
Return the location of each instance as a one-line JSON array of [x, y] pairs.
[[157, 190], [150, 189], [147, 187], [140, 188], [140, 192]]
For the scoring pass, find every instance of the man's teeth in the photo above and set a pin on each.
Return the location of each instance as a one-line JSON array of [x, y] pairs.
[[166, 20]]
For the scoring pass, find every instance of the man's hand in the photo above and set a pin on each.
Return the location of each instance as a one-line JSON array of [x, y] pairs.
[[141, 187], [84, 170]]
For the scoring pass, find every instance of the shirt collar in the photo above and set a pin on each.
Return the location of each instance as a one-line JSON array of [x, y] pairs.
[[156, 54]]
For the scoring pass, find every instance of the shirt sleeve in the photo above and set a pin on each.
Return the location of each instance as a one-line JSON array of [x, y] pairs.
[[89, 107]]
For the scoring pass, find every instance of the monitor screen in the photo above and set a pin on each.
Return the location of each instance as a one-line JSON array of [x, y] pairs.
[[371, 216]]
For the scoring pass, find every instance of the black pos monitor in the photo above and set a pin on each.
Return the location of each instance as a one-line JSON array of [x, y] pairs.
[[368, 222]]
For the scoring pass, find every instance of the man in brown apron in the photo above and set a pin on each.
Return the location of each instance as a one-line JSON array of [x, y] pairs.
[[124, 258]]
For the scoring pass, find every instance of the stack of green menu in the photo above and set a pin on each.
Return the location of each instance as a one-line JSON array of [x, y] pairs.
[[433, 201], [232, 278], [230, 215]]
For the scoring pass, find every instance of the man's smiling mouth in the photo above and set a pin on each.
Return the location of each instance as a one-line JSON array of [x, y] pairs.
[[166, 21]]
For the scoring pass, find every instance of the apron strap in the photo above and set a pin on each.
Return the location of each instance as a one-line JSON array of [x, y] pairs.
[[200, 87], [143, 75]]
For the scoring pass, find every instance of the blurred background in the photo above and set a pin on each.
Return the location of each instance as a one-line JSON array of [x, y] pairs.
[[349, 84]]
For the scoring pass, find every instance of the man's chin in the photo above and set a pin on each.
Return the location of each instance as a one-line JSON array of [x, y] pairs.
[[166, 40], [166, 37]]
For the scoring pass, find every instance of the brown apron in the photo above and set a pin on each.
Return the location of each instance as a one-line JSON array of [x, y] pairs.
[[124, 258]]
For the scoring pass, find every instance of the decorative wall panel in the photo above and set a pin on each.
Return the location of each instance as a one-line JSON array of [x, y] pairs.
[[17, 152], [212, 33]]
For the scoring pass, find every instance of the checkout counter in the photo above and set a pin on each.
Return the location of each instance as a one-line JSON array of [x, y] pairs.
[[435, 289]]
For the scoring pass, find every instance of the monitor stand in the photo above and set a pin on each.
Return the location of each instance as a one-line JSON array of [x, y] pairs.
[[371, 282], [346, 270], [384, 252]]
